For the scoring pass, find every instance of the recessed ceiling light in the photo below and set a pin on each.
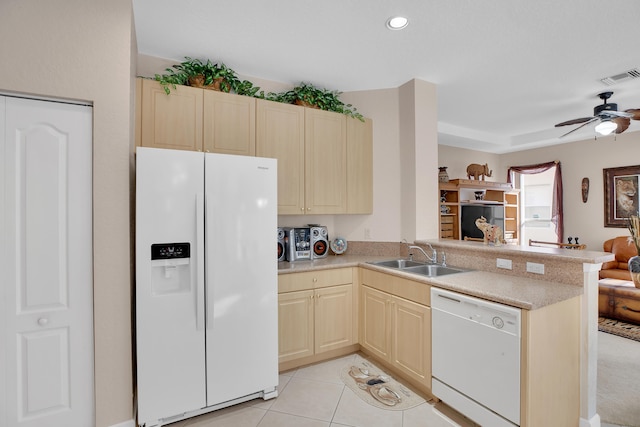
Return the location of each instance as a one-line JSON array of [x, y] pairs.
[[397, 22]]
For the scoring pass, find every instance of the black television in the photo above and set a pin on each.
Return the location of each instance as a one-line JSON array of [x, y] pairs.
[[493, 213]]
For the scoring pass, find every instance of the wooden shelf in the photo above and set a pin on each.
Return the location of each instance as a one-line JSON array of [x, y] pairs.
[[460, 192], [470, 183]]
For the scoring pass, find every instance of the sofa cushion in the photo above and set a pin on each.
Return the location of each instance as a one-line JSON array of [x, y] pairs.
[[623, 249], [615, 273]]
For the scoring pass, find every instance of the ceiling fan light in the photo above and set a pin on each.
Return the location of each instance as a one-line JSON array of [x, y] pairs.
[[606, 127], [397, 22]]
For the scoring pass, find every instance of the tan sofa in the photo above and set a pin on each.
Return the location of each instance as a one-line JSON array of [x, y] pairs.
[[619, 301], [623, 249]]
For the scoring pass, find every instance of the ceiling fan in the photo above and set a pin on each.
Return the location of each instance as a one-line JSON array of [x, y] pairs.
[[611, 120]]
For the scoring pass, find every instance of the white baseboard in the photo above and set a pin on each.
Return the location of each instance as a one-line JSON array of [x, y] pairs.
[[130, 423], [593, 422]]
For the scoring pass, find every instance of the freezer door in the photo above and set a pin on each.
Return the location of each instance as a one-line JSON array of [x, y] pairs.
[[169, 305], [241, 269]]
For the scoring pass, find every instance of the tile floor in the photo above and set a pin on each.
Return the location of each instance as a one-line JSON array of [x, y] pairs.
[[315, 396]]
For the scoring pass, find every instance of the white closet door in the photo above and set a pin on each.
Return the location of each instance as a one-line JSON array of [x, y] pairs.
[[46, 311]]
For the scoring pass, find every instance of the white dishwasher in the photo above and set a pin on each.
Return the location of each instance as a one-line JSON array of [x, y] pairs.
[[476, 357]]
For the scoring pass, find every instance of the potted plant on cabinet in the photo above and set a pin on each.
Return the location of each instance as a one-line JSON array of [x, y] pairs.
[[208, 75], [308, 95]]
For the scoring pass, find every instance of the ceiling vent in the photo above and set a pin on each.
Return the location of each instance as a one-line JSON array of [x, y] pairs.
[[627, 75]]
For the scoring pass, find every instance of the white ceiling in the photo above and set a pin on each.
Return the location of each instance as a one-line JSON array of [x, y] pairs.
[[506, 70]]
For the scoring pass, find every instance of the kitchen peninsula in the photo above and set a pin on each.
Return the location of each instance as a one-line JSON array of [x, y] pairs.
[[559, 316]]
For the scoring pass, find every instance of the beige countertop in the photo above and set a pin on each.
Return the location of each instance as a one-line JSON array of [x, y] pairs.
[[541, 253], [521, 292]]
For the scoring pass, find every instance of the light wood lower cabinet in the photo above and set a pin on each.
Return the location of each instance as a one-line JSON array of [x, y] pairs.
[[318, 319], [295, 325], [397, 331], [395, 323]]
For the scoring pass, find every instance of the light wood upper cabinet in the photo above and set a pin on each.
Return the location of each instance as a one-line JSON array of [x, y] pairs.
[[194, 119], [359, 166], [171, 121], [280, 135], [325, 159], [325, 162], [229, 123]]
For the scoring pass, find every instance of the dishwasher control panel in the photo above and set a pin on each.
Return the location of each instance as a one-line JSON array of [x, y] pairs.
[[488, 313]]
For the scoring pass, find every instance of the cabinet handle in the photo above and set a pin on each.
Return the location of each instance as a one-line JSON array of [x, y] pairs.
[[315, 280], [43, 321], [308, 209]]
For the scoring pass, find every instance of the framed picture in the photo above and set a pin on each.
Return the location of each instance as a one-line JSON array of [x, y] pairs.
[[620, 195]]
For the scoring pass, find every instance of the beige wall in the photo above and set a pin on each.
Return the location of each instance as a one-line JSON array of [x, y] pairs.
[[579, 159], [456, 161], [81, 49]]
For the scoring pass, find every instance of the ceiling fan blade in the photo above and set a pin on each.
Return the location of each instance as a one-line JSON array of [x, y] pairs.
[[575, 121], [635, 113], [613, 113], [591, 120], [622, 122]]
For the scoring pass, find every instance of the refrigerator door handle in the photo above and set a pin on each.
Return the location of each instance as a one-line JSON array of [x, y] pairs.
[[200, 301]]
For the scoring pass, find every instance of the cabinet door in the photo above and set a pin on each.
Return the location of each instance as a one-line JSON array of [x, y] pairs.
[[411, 339], [229, 123], [359, 166], [333, 318], [280, 135], [295, 325], [375, 322], [325, 162], [171, 121]]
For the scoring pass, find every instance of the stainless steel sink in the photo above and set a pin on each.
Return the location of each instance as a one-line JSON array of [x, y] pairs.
[[408, 266], [432, 270], [398, 263]]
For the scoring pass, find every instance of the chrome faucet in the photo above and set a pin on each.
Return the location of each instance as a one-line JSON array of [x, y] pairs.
[[433, 258]]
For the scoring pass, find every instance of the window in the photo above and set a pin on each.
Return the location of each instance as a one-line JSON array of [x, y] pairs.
[[537, 198]]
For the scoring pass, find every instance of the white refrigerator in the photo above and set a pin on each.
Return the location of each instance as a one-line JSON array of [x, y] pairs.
[[206, 282]]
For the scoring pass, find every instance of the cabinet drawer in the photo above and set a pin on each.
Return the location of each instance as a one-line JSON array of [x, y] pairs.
[[446, 220], [446, 233], [314, 279], [446, 227], [404, 288]]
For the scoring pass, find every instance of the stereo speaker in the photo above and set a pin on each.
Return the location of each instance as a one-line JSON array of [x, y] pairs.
[[281, 248], [319, 242]]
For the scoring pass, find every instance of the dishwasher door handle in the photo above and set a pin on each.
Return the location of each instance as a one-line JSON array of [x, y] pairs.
[[449, 298]]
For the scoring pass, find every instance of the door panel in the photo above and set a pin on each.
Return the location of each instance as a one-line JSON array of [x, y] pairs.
[[375, 322], [170, 338], [411, 339], [333, 318], [47, 324], [242, 274]]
